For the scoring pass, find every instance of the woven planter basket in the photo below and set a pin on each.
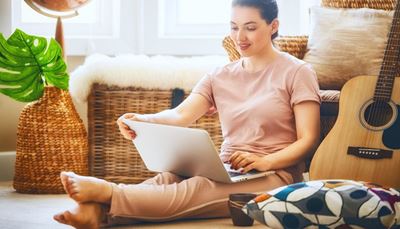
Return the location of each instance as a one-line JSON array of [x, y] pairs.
[[51, 138]]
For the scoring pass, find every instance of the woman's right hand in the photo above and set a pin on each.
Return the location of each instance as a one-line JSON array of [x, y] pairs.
[[124, 129]]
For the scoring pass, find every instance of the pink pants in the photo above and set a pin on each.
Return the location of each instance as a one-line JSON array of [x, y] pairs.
[[168, 197]]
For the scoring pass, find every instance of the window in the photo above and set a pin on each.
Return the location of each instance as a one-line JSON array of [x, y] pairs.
[[167, 27], [99, 27], [185, 18], [173, 27], [181, 27]]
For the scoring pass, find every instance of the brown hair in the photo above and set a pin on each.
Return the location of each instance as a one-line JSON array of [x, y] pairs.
[[268, 9]]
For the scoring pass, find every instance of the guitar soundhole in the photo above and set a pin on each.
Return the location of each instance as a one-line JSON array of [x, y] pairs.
[[378, 114]]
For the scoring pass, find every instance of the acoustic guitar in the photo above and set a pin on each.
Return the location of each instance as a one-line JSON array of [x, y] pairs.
[[364, 143]]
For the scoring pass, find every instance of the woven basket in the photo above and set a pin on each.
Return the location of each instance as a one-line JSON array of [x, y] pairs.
[[373, 4], [295, 45], [51, 138], [111, 156]]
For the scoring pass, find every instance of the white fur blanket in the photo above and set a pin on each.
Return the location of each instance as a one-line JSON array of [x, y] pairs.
[[158, 72]]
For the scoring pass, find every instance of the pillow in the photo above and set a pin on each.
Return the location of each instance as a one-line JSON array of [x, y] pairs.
[[327, 204], [346, 42]]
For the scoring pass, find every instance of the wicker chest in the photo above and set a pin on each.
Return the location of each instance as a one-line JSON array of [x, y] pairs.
[[111, 156]]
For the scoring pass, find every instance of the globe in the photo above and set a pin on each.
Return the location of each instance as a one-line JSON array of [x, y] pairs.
[[58, 8]]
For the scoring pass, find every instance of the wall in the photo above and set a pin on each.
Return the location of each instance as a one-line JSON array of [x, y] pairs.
[[5, 17], [10, 110]]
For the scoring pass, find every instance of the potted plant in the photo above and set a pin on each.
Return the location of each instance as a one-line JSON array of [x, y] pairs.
[[51, 136]]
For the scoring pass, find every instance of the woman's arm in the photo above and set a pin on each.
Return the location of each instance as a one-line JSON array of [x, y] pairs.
[[307, 116], [191, 109]]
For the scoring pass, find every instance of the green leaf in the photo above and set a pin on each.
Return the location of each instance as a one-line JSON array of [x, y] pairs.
[[28, 63]]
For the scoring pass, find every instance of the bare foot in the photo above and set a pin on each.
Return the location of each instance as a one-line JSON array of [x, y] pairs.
[[86, 189], [84, 216]]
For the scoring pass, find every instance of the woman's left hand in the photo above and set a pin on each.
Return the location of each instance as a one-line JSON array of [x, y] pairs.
[[247, 161]]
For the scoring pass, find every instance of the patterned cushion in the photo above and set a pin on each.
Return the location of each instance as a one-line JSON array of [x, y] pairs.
[[327, 204]]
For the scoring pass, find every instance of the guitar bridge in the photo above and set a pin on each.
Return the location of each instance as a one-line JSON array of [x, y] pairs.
[[369, 153]]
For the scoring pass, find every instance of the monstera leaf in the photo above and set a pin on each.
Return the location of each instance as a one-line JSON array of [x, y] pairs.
[[27, 64]]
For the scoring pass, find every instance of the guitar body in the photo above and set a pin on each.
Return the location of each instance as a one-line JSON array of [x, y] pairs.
[[355, 150]]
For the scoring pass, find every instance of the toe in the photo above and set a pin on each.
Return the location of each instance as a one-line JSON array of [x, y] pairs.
[[74, 220], [68, 217], [71, 174], [64, 180], [71, 186], [76, 197], [59, 218]]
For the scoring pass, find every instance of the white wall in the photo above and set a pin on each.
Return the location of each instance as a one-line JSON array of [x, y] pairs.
[[8, 109], [5, 17]]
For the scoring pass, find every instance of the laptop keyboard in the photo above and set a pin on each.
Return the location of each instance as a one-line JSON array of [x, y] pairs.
[[234, 174]]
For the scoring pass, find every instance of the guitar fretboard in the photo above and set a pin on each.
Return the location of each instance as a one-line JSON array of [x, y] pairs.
[[390, 64]]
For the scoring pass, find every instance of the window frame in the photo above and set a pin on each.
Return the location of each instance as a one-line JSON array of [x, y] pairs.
[[103, 36], [138, 28], [158, 40]]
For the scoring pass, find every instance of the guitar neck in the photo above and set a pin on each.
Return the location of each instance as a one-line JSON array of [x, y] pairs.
[[390, 64]]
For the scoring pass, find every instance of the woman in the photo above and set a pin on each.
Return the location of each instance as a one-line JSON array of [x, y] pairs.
[[268, 104]]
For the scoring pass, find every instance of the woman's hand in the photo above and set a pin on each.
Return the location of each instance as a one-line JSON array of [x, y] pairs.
[[245, 161], [124, 129]]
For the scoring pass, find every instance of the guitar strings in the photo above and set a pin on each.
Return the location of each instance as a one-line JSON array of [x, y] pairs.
[[376, 113]]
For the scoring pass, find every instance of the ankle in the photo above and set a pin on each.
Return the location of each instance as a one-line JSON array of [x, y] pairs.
[[105, 194], [109, 192]]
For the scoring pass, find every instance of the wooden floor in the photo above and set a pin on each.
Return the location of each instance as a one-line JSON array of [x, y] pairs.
[[20, 211]]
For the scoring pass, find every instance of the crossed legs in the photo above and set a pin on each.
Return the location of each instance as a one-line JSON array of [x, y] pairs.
[[89, 193], [164, 197], [86, 189]]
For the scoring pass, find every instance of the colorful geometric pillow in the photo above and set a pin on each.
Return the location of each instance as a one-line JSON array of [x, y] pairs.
[[327, 204]]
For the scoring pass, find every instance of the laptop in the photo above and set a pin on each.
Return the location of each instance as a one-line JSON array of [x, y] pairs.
[[183, 151]]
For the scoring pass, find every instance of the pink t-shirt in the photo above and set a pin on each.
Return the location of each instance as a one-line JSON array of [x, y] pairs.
[[256, 109]]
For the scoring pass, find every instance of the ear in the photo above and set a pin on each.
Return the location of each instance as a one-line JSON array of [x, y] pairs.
[[275, 25]]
